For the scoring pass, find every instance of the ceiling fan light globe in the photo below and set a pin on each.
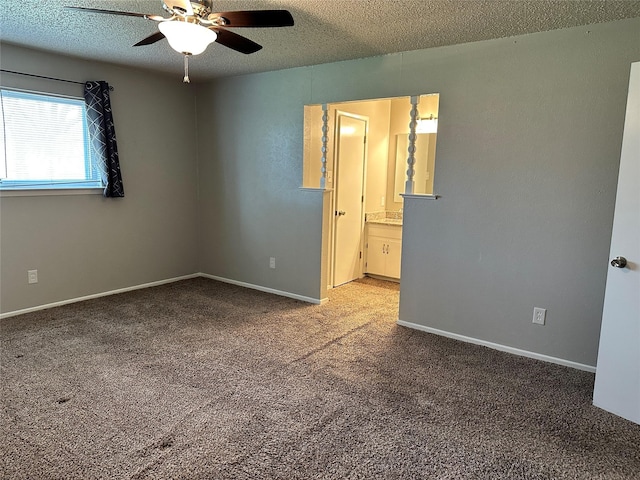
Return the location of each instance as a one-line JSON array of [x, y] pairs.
[[187, 38]]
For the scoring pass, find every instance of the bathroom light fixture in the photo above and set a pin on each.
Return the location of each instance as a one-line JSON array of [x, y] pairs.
[[427, 125], [187, 38]]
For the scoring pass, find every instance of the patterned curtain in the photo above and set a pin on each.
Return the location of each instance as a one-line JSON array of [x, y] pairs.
[[103, 136]]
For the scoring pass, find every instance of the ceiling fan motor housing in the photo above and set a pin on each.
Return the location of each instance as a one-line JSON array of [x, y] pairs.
[[201, 8]]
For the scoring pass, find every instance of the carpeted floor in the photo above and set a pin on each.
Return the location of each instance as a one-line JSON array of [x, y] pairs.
[[203, 380]]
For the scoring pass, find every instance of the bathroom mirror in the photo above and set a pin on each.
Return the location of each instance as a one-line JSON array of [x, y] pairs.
[[425, 159]]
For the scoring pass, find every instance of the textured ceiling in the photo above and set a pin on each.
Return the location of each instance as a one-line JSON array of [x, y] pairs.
[[325, 30]]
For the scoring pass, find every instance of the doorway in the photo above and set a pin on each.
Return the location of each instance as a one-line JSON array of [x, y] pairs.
[[349, 184], [386, 120]]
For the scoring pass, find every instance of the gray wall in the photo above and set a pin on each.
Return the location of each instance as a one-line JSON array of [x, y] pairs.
[[528, 152], [86, 244], [250, 170], [527, 163]]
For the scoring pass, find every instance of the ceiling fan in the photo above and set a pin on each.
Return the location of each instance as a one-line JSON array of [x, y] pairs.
[[193, 25]]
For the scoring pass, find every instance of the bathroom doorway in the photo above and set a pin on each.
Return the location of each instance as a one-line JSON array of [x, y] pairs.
[[383, 179]]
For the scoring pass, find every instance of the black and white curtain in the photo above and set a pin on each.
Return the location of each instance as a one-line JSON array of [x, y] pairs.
[[103, 136]]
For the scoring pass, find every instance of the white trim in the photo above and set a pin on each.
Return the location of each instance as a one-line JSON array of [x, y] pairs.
[[502, 348], [421, 196], [260, 288], [42, 192], [163, 282], [97, 295], [42, 93]]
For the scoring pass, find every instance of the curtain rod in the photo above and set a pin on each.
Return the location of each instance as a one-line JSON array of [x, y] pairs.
[[46, 78]]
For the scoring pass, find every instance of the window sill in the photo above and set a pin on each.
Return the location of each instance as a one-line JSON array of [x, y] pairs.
[[42, 192]]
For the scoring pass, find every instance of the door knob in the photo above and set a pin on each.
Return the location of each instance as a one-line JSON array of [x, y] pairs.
[[340, 213], [619, 262]]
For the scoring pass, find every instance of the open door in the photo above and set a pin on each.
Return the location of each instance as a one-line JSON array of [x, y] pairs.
[[349, 197], [617, 387]]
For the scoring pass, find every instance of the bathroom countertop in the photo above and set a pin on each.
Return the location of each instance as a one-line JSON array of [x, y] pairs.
[[384, 218], [386, 221]]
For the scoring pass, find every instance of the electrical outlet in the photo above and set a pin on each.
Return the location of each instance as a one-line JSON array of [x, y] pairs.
[[272, 262], [32, 276], [539, 315]]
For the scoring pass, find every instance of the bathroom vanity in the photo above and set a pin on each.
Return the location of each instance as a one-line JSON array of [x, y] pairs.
[[383, 240]]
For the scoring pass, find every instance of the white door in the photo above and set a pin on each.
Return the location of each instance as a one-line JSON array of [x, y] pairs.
[[617, 387], [349, 191]]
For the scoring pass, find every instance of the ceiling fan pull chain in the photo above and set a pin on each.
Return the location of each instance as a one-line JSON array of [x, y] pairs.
[[186, 69]]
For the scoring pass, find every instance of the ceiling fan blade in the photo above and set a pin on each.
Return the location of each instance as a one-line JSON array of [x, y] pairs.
[[236, 42], [156, 18], [156, 37], [257, 18]]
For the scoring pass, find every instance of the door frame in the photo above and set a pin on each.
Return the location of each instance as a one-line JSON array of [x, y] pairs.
[[336, 184]]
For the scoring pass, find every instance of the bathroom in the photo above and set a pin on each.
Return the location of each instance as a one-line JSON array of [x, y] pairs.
[[364, 157]]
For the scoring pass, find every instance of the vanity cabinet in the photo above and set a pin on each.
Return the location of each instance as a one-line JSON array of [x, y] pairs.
[[384, 249]]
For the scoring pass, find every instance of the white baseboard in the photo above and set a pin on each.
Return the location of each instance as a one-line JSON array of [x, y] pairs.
[[163, 282], [497, 346], [260, 288], [96, 295]]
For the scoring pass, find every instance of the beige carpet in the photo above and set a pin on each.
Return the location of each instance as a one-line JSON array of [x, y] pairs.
[[203, 380]]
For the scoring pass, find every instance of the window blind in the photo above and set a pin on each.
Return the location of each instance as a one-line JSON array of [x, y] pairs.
[[44, 142]]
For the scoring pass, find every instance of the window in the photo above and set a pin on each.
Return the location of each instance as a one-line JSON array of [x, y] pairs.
[[44, 143]]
